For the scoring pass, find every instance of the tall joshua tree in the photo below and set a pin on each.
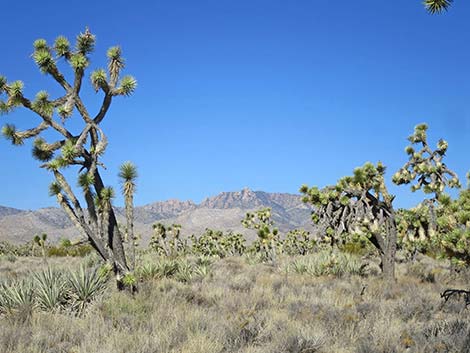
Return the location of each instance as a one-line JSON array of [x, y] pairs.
[[128, 176], [83, 149], [358, 204], [438, 221], [426, 171]]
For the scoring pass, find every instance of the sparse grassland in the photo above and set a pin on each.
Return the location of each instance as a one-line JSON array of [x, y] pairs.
[[318, 303]]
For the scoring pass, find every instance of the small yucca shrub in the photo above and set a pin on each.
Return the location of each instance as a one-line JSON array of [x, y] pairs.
[[326, 263], [85, 286], [184, 272], [201, 271], [16, 296], [50, 290], [167, 268], [147, 272]]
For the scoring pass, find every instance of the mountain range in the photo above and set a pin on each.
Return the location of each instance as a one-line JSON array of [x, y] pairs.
[[222, 212]]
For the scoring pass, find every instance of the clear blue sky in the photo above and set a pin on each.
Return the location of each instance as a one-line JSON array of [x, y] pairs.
[[266, 94]]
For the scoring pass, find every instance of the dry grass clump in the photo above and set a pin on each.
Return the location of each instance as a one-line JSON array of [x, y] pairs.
[[241, 307]]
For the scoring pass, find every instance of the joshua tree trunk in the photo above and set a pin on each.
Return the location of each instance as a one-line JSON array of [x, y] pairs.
[[387, 248], [388, 257]]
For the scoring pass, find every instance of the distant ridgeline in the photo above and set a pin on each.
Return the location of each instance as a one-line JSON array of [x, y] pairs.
[[224, 212]]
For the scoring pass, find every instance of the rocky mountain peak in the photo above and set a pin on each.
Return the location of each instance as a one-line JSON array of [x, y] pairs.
[[245, 199]]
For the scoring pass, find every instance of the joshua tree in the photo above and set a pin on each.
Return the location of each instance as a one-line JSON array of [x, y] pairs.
[[40, 240], [426, 171], [358, 204], [298, 242], [166, 240], [128, 176], [454, 226], [83, 149], [216, 243], [268, 236]]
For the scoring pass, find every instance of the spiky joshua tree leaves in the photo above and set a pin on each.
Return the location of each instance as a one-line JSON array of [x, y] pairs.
[[97, 222], [425, 167], [357, 205], [437, 6]]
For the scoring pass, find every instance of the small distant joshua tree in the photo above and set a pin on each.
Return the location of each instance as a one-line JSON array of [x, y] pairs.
[[83, 149], [40, 240], [298, 242], [128, 175], [268, 236], [167, 240]]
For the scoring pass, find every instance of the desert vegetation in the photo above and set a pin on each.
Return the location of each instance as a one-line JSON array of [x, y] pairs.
[[370, 278]]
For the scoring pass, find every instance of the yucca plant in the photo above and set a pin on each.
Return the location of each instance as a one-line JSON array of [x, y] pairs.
[[85, 286], [204, 261], [50, 290], [167, 268], [130, 281], [201, 271], [184, 272], [15, 296], [326, 263], [147, 272], [298, 266]]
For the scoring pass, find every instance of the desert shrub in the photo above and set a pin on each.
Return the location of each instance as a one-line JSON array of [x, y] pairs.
[[25, 249], [328, 263], [71, 250], [182, 270], [357, 246], [300, 343], [444, 336], [421, 271], [9, 257]]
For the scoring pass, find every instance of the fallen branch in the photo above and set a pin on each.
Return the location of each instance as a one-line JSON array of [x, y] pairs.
[[449, 293]]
